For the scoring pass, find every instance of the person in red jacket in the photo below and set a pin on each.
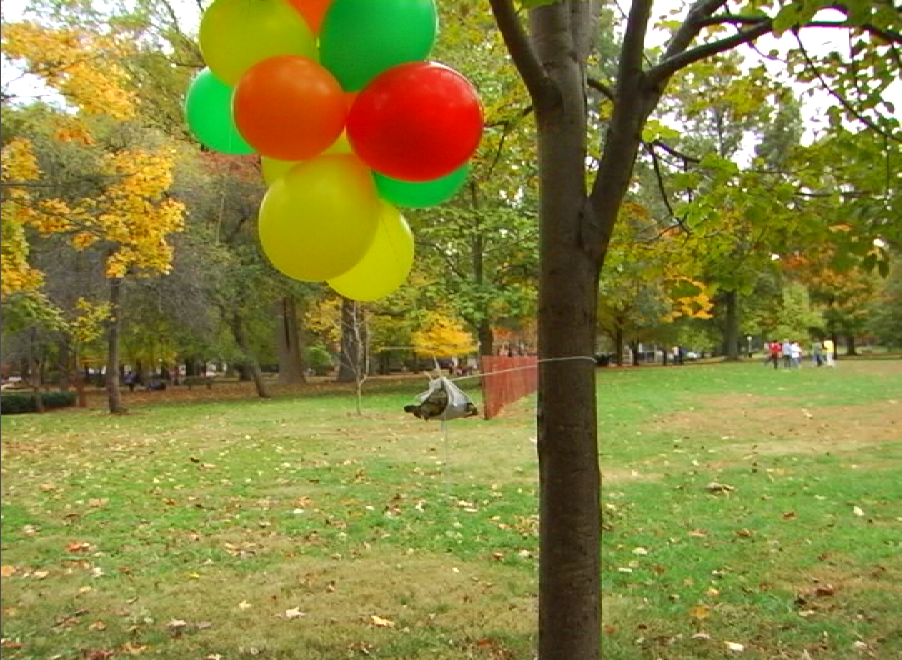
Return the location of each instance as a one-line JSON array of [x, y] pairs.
[[775, 353]]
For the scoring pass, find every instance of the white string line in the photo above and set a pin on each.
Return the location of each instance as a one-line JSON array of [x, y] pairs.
[[528, 366]]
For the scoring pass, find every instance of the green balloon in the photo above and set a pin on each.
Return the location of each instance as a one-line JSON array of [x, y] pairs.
[[208, 110], [362, 38], [421, 195]]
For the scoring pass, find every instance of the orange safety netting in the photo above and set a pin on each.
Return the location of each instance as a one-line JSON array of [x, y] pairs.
[[504, 387]]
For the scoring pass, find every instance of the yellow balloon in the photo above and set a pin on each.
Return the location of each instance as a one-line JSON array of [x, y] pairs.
[[386, 264], [274, 169], [319, 219], [340, 146], [236, 34]]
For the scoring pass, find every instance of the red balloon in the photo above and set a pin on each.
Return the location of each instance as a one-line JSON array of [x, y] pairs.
[[416, 122], [313, 11], [289, 107]]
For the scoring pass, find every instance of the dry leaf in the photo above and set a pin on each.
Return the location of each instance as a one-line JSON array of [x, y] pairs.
[[133, 648], [294, 613], [97, 625], [40, 574], [78, 546], [733, 646], [7, 570], [382, 622], [700, 612]]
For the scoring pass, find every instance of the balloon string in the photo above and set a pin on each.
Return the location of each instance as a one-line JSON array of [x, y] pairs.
[[528, 366]]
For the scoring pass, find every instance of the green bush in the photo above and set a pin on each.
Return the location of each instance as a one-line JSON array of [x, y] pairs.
[[319, 359], [14, 403]]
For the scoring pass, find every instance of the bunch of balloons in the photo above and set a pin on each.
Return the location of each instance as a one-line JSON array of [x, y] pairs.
[[351, 121]]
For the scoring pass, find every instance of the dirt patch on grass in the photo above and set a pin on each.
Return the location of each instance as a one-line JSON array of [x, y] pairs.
[[790, 430]]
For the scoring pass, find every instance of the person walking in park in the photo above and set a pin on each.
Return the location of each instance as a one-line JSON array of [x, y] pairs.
[[774, 348], [796, 353], [830, 352], [786, 349], [817, 352]]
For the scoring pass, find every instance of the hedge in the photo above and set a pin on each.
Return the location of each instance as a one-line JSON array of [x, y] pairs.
[[14, 403]]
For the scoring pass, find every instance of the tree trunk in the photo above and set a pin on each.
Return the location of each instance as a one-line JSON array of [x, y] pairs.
[[569, 588], [569, 478], [114, 395], [850, 345], [191, 366], [250, 365], [634, 351], [64, 364], [34, 369], [486, 337], [80, 383], [618, 346], [731, 330], [291, 366], [348, 362]]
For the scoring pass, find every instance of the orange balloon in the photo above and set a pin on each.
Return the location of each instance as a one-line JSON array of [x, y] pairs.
[[289, 107], [313, 11]]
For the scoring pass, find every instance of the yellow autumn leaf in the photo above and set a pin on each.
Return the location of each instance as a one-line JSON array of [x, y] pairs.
[[700, 612], [382, 622]]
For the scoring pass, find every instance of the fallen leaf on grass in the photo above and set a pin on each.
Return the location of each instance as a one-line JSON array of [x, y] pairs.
[[7, 570], [97, 626], [40, 574], [382, 622], [715, 487], [733, 646], [96, 654], [700, 612], [78, 546], [294, 613], [133, 648], [177, 627]]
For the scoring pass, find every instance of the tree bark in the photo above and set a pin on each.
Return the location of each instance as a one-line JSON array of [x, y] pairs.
[[731, 328], [250, 364], [850, 345], [618, 345], [348, 362], [486, 338], [34, 368], [64, 364], [291, 364], [114, 394]]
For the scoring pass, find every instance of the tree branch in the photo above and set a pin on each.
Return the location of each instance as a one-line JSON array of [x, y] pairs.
[[839, 97], [599, 86], [520, 49], [691, 26], [686, 158], [660, 73]]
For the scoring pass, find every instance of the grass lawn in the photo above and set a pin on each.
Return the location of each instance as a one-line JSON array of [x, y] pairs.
[[292, 528]]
